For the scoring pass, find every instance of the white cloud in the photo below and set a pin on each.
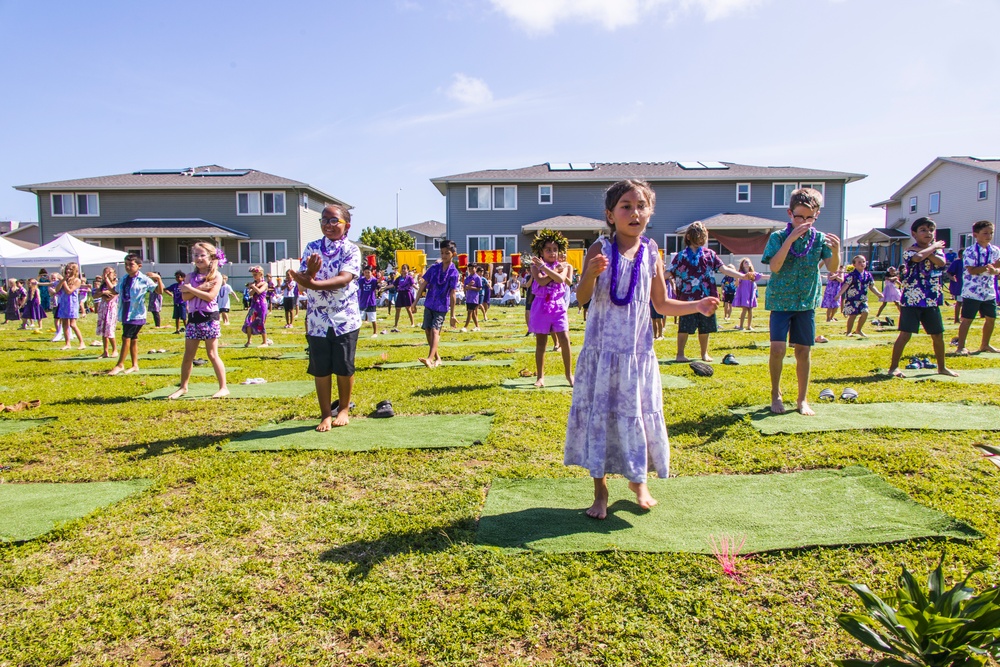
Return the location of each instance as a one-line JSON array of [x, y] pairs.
[[469, 91], [538, 16]]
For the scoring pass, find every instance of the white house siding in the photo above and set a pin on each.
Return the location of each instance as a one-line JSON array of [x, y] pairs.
[[309, 226], [960, 207]]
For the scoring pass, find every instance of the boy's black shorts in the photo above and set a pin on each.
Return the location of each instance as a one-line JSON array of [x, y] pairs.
[[131, 330], [332, 354], [470, 307], [696, 322], [912, 317], [973, 307]]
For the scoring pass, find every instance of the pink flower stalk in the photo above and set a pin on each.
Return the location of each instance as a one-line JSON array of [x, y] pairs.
[[727, 552]]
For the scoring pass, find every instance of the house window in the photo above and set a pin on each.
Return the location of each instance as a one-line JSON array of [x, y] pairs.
[[943, 235], [506, 243], [305, 200], [477, 198], [743, 192], [505, 197], [476, 243], [274, 251], [87, 204], [934, 203], [819, 187], [544, 194], [983, 190], [183, 254], [274, 203], [249, 252], [62, 204], [248, 203], [782, 193], [672, 243], [913, 204], [437, 244]]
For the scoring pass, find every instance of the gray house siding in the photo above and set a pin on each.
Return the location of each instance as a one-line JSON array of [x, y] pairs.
[[677, 204], [425, 243]]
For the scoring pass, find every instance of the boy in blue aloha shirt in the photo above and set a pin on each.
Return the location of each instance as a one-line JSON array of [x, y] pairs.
[[328, 271], [132, 291], [979, 294], [922, 295], [440, 282], [793, 291]]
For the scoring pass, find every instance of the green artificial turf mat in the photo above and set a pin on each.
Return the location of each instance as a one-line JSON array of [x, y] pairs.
[[362, 434], [777, 511], [10, 425], [856, 416], [965, 375], [473, 362], [30, 510], [196, 371], [559, 383], [197, 390]]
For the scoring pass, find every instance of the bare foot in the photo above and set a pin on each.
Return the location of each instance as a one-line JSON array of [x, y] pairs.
[[105, 356], [222, 393], [264, 345], [116, 370], [65, 347], [133, 369], [962, 351], [896, 373], [569, 378], [247, 344], [681, 359], [706, 358], [988, 348], [324, 424], [599, 510], [849, 334], [863, 334], [426, 362], [540, 382], [777, 406], [82, 347], [805, 410], [177, 394], [948, 372], [642, 495], [343, 418]]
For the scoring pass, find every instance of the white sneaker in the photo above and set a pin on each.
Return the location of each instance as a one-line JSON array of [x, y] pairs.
[[476, 329], [464, 330], [374, 335]]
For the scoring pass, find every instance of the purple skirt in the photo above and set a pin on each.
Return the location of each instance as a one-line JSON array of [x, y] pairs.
[[33, 311], [404, 298], [831, 295], [547, 315]]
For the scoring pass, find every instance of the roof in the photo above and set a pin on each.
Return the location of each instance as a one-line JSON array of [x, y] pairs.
[[721, 221], [189, 179], [431, 228], [987, 164], [609, 172], [880, 235], [566, 223], [161, 228]]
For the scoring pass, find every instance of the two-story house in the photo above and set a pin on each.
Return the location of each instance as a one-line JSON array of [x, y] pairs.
[[739, 204], [955, 192], [427, 236], [258, 218]]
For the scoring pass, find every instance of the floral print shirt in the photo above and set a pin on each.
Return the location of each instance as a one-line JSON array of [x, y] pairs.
[[440, 286], [981, 287], [857, 288], [693, 270], [921, 281], [729, 286], [337, 308]]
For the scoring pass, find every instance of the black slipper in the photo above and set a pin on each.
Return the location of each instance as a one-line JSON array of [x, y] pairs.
[[702, 369], [200, 362], [335, 406], [730, 360], [383, 410]]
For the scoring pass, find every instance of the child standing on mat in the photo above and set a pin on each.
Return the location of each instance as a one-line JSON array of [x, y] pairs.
[[68, 309], [328, 272], [746, 293], [225, 292], [831, 294], [32, 312], [199, 291], [179, 312], [794, 254], [728, 295], [404, 295], [956, 272], [473, 290], [440, 282], [367, 288], [981, 262], [890, 290], [693, 269], [854, 292], [616, 421], [132, 291], [548, 316], [106, 296], [922, 295], [255, 323]]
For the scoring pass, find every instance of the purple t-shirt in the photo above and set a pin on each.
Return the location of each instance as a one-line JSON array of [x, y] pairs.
[[197, 305], [440, 285], [472, 296], [366, 292]]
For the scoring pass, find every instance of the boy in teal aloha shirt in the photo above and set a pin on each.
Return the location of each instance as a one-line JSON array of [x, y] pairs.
[[793, 291]]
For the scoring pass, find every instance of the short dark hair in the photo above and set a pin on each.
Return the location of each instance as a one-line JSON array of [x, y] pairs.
[[179, 274], [448, 245], [132, 257], [922, 222], [981, 225], [808, 197]]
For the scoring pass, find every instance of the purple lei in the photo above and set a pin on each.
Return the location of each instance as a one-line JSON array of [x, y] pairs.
[[809, 244], [442, 277], [633, 281], [338, 247]]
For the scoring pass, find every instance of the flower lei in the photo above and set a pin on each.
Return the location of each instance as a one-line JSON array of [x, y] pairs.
[[813, 235], [633, 281], [338, 247], [442, 276]]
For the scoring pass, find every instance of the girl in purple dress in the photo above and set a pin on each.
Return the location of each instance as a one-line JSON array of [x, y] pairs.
[[68, 309], [199, 291], [404, 295], [106, 295], [549, 282], [831, 295], [32, 312], [855, 295], [890, 290], [616, 420], [256, 318], [15, 301], [746, 293]]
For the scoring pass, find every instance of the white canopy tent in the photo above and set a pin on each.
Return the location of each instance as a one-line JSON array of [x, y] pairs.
[[9, 250], [62, 249]]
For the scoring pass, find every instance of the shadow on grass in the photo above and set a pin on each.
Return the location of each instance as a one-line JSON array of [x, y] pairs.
[[161, 447], [96, 400], [366, 554], [712, 428], [519, 529], [452, 389]]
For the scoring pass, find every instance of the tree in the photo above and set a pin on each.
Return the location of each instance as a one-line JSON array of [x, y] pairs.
[[386, 242]]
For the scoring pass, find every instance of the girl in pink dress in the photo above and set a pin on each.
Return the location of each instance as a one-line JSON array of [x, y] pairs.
[[746, 293], [549, 282], [106, 297]]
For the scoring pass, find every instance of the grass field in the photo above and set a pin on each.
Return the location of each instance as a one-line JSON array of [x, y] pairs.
[[334, 558]]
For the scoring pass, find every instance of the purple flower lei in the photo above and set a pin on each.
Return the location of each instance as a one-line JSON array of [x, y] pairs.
[[813, 234], [337, 248], [633, 281], [442, 277]]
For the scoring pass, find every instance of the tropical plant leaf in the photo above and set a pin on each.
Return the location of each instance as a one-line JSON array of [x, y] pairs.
[[938, 624], [935, 582], [912, 587], [857, 627], [852, 662]]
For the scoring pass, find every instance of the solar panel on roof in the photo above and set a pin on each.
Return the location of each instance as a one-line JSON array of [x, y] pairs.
[[581, 166], [221, 173], [560, 166], [713, 165], [690, 165], [986, 159], [150, 172]]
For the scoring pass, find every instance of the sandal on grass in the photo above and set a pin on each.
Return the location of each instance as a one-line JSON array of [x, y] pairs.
[[826, 395], [849, 394]]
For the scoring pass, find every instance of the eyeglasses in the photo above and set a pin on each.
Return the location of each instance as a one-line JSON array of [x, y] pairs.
[[802, 218], [331, 221]]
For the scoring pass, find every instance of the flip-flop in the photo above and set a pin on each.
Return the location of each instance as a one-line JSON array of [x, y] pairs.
[[826, 395], [383, 410], [849, 394], [702, 369], [730, 360], [335, 406]]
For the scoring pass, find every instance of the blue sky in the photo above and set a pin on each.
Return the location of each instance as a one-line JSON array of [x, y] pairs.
[[362, 99]]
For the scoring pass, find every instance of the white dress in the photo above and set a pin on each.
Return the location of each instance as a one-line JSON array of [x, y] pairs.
[[616, 419]]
